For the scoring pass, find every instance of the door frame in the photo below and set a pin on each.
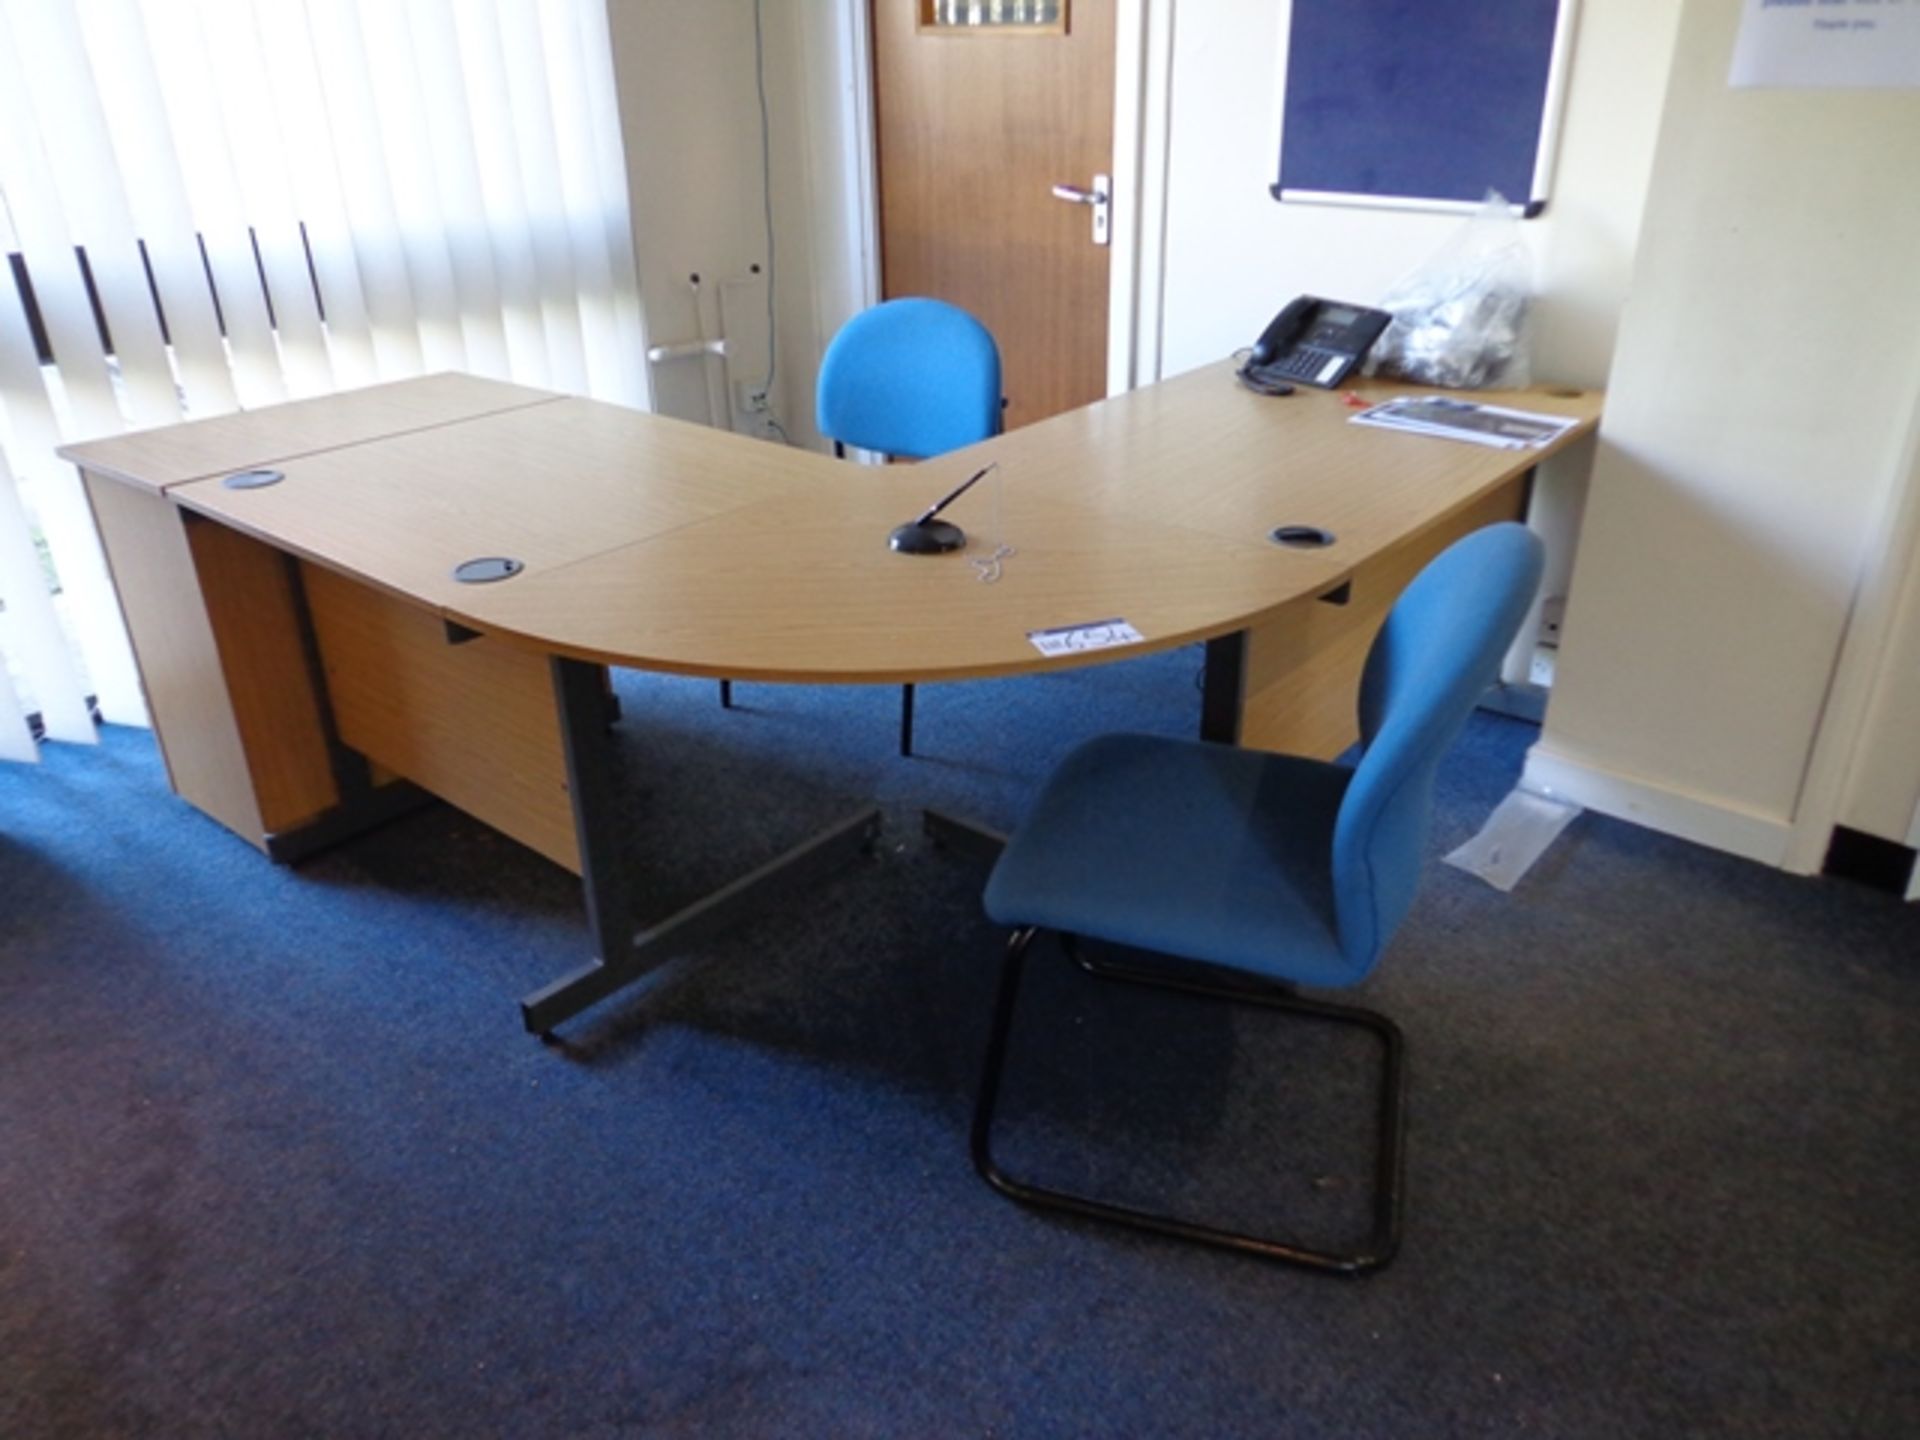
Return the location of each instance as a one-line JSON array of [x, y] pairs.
[[1888, 563], [1142, 91]]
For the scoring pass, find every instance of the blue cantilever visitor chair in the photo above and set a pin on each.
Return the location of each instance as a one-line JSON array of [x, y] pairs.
[[913, 379], [1270, 870]]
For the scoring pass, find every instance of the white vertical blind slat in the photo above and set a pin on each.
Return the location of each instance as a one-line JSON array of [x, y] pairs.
[[456, 170], [393, 82], [539, 158], [188, 88], [483, 65], [274, 197], [86, 388], [354, 132], [73, 129], [34, 640], [580, 197], [616, 220], [261, 165], [16, 736], [314, 177], [32, 433], [149, 164]]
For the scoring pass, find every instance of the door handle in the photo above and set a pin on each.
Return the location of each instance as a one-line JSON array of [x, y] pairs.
[[1099, 196]]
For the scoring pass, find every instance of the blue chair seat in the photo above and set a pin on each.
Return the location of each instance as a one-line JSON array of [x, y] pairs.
[[1204, 852]]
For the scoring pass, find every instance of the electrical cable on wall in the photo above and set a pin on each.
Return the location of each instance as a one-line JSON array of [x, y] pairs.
[[766, 202]]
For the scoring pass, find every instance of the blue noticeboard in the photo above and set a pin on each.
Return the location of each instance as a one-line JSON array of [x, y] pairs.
[[1422, 102]]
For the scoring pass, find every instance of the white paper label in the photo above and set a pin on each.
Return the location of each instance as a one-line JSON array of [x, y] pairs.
[[1099, 635], [1828, 44]]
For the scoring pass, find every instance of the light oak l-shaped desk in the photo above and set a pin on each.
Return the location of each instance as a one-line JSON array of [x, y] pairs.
[[312, 664]]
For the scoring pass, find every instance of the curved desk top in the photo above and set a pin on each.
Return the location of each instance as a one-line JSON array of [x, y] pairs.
[[658, 544]]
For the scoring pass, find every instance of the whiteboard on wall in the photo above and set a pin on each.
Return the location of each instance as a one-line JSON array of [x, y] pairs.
[[1425, 104]]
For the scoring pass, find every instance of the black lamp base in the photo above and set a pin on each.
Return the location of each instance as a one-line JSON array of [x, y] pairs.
[[931, 537]]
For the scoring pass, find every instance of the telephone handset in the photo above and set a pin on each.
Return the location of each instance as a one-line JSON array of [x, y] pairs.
[[1312, 342]]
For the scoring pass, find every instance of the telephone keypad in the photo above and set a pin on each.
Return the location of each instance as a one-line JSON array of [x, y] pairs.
[[1309, 363]]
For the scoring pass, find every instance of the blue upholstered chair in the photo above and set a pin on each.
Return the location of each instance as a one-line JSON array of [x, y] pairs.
[[912, 379], [909, 378], [1266, 871]]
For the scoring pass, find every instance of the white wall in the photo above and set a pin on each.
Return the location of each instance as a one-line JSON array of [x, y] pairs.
[[1234, 255], [828, 273], [1763, 390], [690, 118], [690, 126]]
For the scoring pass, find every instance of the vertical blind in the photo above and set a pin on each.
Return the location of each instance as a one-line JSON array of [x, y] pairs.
[[217, 204]]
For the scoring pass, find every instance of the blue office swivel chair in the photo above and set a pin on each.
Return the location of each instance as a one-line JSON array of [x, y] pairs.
[[911, 378], [1264, 870]]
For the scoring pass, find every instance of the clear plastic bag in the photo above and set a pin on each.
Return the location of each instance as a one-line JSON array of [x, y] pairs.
[[1460, 319]]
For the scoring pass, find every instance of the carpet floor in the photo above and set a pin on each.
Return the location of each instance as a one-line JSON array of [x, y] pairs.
[[276, 1158]]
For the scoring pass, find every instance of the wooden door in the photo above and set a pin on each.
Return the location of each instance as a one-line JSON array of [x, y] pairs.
[[976, 123]]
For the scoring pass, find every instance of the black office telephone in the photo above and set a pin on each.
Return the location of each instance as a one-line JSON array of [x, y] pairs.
[[1312, 342]]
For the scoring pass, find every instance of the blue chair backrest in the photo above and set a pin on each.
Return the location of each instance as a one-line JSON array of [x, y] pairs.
[[1440, 649], [912, 378]]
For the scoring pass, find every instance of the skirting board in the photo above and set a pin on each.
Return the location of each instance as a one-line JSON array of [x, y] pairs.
[[1699, 818]]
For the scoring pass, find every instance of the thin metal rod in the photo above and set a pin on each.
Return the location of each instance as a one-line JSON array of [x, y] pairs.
[[955, 493], [1389, 1157]]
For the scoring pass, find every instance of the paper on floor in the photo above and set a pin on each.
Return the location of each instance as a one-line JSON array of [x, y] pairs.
[[1518, 833]]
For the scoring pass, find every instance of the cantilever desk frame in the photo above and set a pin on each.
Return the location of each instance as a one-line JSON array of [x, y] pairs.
[[310, 659]]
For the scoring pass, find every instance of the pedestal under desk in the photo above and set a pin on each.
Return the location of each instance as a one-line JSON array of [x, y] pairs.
[[313, 665]]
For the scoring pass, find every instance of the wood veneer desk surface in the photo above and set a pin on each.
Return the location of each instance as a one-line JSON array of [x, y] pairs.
[[172, 455], [655, 543], [1153, 507], [545, 484]]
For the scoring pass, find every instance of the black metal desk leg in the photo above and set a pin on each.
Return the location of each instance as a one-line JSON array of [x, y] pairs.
[[1224, 688], [622, 958], [580, 694]]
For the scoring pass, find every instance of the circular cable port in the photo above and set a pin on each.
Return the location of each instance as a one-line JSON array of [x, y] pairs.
[[1302, 537], [253, 479], [487, 569]]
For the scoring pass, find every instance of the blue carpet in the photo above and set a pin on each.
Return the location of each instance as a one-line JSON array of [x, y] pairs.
[[277, 1160]]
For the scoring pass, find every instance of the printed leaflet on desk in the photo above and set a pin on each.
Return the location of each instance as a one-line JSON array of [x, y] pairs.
[[1492, 425]]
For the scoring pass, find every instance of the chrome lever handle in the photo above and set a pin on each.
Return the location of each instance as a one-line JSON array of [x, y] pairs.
[[1097, 195]]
